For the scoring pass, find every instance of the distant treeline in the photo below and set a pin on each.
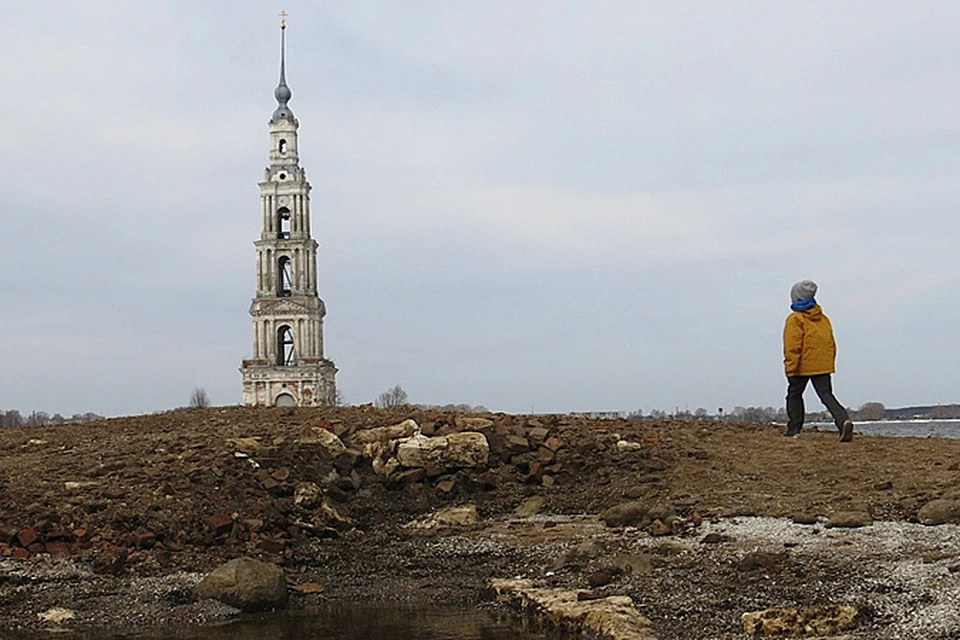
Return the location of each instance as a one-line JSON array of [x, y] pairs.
[[13, 418], [935, 412], [866, 412]]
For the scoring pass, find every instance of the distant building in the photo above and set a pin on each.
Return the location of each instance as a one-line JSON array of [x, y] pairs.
[[288, 367]]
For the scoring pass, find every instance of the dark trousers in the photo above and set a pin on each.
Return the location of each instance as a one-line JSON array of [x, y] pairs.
[[824, 389]]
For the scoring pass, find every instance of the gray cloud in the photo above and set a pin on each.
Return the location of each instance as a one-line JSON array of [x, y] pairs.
[[560, 208]]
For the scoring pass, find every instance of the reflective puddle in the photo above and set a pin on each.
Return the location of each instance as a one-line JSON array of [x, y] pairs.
[[341, 622]]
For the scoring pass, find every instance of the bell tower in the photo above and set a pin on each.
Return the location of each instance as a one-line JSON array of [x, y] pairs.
[[288, 367]]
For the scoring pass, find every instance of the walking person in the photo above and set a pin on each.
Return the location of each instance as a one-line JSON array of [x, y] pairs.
[[809, 354]]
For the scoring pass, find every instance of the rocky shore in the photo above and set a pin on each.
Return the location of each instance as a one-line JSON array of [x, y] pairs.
[[700, 529]]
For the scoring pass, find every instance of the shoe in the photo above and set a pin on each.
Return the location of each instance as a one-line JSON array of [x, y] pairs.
[[791, 434], [846, 432]]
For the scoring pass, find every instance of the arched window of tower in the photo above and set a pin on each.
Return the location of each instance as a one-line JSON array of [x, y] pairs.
[[283, 223], [286, 276], [282, 147], [285, 346]]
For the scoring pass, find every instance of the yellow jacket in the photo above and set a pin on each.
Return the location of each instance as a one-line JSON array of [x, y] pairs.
[[808, 345]]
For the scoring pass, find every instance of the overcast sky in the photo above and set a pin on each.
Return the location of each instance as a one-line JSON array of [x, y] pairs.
[[546, 206]]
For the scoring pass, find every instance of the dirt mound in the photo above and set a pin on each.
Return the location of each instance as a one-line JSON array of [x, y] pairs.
[[186, 488], [321, 493]]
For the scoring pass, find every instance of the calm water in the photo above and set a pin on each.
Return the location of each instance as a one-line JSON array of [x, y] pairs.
[[907, 428], [353, 622]]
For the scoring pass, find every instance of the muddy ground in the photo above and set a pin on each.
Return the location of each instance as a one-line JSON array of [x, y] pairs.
[[116, 520]]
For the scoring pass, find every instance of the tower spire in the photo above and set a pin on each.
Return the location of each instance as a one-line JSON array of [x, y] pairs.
[[282, 93]]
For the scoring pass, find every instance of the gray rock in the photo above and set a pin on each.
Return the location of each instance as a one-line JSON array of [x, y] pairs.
[[629, 514], [405, 429], [942, 511], [849, 520], [580, 555], [813, 621], [530, 507], [467, 449], [451, 517], [326, 439], [537, 435], [246, 584]]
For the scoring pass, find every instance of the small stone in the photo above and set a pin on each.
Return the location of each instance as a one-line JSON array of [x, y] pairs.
[[849, 520], [805, 518], [307, 588], [473, 423], [538, 434], [660, 528], [323, 437], [600, 578], [554, 444], [463, 516], [625, 515], [517, 444], [714, 538], [405, 429], [545, 455], [446, 486], [56, 615], [760, 560], [530, 507], [57, 548], [247, 584], [886, 485]]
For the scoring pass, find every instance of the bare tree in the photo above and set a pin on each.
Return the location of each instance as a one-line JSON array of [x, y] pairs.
[[339, 400], [390, 398], [11, 418], [871, 411], [199, 399]]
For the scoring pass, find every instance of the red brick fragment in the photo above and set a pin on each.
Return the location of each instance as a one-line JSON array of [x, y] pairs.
[[220, 524], [27, 537], [57, 548]]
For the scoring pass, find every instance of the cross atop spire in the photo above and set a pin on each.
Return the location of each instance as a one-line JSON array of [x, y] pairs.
[[283, 19]]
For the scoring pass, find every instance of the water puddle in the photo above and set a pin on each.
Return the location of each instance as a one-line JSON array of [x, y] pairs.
[[348, 622]]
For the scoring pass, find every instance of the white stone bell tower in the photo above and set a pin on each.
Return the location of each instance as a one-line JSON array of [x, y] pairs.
[[288, 367]]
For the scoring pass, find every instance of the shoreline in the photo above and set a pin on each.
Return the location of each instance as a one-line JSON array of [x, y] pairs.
[[903, 578]]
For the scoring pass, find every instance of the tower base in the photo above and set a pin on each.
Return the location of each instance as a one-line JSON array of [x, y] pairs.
[[304, 385]]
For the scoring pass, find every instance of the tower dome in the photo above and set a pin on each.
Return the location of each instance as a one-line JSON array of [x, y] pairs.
[[282, 93]]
